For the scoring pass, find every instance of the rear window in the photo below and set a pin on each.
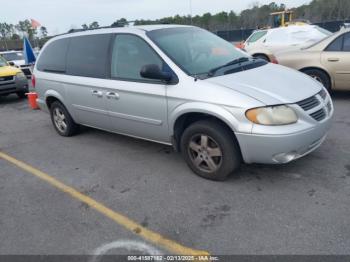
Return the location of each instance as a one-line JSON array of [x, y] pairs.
[[53, 58], [87, 55], [256, 36]]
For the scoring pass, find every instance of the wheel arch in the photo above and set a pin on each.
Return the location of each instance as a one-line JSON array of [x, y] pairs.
[[320, 69], [262, 54], [187, 114], [52, 96]]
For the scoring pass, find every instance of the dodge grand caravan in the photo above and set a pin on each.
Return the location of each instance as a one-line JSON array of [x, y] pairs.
[[186, 87]]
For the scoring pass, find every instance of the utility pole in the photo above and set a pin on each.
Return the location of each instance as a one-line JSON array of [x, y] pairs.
[[191, 12]]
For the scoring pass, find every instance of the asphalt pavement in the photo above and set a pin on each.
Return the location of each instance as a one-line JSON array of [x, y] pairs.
[[298, 208]]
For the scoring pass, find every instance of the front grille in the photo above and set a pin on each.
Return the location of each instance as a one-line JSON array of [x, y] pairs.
[[6, 78], [329, 107], [319, 115], [309, 103], [7, 89], [323, 94], [26, 71], [313, 104]]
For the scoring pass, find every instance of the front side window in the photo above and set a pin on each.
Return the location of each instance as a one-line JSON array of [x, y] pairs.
[[194, 50], [130, 53], [88, 55], [53, 58]]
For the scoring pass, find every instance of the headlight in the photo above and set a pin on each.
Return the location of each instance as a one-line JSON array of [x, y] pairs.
[[272, 115], [21, 75]]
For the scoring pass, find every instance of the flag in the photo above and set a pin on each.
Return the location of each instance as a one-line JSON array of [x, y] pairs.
[[35, 24], [28, 52]]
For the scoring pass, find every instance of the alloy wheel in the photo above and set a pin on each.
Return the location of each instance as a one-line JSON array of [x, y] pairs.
[[60, 120], [205, 153]]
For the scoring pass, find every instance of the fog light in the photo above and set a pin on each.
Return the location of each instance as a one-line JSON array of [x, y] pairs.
[[284, 158]]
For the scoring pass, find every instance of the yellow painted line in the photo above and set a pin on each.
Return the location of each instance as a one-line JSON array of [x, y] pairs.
[[120, 219]]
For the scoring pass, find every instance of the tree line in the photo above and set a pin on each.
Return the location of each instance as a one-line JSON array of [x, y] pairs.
[[255, 16], [258, 15], [16, 32]]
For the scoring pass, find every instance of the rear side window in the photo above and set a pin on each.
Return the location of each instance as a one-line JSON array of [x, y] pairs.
[[88, 56], [256, 36], [53, 58], [336, 45]]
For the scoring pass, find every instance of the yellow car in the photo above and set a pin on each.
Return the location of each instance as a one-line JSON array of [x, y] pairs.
[[12, 80], [328, 61]]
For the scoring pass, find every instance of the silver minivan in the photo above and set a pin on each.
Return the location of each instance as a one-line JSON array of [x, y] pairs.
[[185, 87]]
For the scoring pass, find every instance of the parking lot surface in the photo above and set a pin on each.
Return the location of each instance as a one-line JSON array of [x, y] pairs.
[[299, 208]]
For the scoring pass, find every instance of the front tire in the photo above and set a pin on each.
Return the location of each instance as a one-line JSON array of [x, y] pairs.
[[62, 120], [210, 150]]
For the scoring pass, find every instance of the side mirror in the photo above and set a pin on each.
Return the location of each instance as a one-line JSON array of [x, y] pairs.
[[154, 72], [11, 63]]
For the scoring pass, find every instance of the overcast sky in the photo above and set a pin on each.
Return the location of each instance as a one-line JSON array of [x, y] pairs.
[[61, 15]]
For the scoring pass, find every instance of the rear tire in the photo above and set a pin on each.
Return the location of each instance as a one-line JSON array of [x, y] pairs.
[[263, 57], [21, 94], [62, 120], [320, 76], [211, 150]]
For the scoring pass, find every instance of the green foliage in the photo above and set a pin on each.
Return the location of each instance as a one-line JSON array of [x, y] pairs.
[[258, 15], [120, 23]]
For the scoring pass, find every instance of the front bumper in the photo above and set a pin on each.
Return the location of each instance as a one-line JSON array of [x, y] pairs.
[[13, 85], [280, 149]]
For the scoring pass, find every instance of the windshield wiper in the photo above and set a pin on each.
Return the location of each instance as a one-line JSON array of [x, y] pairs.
[[233, 62]]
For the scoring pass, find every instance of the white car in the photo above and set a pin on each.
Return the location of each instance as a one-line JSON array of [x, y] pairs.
[[266, 43], [16, 58]]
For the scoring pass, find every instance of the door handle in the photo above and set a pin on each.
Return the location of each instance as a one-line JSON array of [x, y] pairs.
[[333, 59], [96, 93], [113, 95]]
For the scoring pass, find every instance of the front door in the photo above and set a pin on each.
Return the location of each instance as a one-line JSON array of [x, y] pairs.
[[137, 106], [336, 58]]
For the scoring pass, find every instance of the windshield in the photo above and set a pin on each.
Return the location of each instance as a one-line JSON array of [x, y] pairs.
[[13, 56], [2, 61], [195, 50], [256, 36]]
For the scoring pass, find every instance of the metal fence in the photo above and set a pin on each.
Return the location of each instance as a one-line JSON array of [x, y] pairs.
[[18, 44]]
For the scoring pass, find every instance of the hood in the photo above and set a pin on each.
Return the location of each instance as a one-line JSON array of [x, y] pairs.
[[8, 71], [270, 84], [19, 62]]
